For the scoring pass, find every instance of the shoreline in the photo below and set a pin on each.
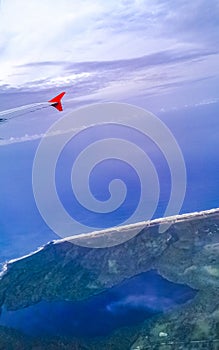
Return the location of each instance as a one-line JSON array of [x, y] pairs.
[[142, 224]]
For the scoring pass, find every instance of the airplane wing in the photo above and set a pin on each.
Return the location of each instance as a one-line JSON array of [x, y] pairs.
[[21, 110]]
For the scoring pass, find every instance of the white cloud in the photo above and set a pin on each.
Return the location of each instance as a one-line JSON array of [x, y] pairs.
[[52, 30], [70, 31]]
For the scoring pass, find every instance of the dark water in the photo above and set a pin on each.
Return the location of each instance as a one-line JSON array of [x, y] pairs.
[[126, 304]]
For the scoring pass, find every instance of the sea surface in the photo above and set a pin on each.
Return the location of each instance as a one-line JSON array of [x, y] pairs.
[[21, 225]]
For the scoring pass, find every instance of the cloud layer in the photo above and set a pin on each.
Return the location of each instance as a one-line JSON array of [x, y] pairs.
[[122, 50]]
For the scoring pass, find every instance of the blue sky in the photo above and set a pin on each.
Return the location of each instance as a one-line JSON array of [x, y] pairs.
[[160, 55]]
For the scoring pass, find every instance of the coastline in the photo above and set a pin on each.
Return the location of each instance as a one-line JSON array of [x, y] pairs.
[[170, 220]]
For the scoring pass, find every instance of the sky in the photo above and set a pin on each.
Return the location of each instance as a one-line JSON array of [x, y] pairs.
[[117, 50], [159, 55]]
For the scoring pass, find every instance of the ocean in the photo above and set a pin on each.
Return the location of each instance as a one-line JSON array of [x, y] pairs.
[[21, 225]]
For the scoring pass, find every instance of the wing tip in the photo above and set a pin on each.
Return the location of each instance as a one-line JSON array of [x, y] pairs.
[[56, 101]]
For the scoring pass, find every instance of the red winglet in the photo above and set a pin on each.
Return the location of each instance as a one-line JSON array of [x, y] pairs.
[[56, 101]]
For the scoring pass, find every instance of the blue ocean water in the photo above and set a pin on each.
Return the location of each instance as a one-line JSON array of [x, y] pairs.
[[126, 304], [21, 225]]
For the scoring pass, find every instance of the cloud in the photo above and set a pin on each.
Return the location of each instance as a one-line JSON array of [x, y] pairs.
[[146, 301], [90, 77], [41, 37], [117, 50], [27, 137], [194, 21]]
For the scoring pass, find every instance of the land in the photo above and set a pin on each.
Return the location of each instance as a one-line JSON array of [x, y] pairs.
[[187, 252]]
